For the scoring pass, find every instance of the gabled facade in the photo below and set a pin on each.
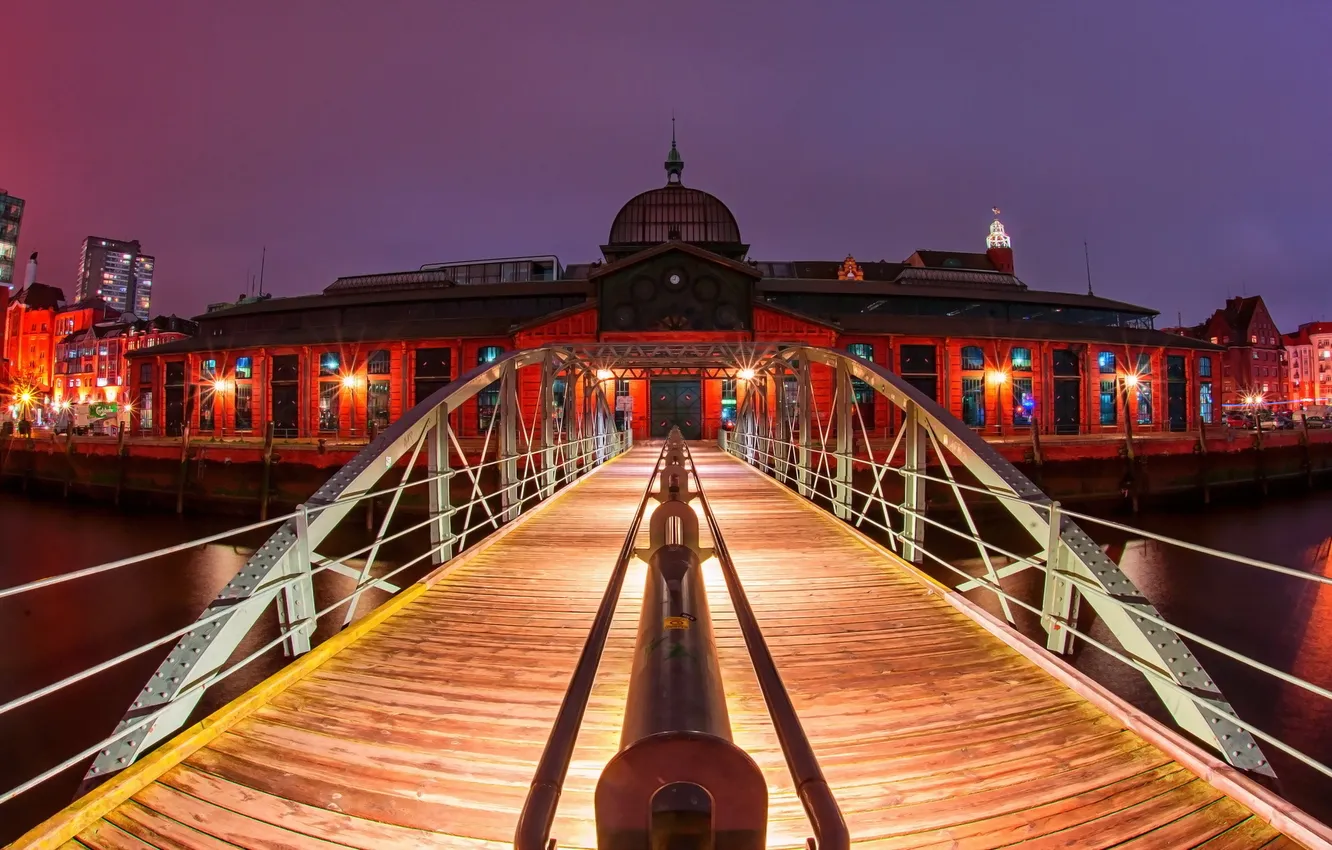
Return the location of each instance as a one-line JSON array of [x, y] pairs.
[[1254, 367], [30, 334], [960, 326]]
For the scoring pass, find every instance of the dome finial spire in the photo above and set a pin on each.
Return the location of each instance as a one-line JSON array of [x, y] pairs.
[[998, 238], [674, 162]]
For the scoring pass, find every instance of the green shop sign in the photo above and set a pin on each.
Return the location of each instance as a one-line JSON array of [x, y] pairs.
[[102, 410]]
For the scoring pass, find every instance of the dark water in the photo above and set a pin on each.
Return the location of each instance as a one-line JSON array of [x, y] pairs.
[[55, 632]]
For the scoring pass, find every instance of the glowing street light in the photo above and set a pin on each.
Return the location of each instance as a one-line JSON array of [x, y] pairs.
[[745, 374], [605, 374], [1130, 379], [349, 381], [220, 385], [997, 377]]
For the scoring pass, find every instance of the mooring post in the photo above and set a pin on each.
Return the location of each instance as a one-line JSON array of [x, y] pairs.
[[184, 468], [69, 459], [266, 479], [1304, 446], [1203, 463], [120, 464]]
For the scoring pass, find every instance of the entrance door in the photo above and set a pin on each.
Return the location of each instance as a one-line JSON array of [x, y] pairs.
[[677, 403], [1177, 405], [175, 411], [1067, 405], [286, 410]]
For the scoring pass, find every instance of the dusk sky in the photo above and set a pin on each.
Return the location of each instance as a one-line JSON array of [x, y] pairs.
[[1190, 143]]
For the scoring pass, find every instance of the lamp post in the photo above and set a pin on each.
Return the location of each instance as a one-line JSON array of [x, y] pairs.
[[997, 378], [349, 381], [220, 386], [1127, 381]]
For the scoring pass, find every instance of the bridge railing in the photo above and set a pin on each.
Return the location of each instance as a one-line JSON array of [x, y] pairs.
[[525, 458], [815, 452]]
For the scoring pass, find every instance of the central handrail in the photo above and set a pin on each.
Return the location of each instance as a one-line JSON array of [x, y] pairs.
[[825, 816], [543, 798]]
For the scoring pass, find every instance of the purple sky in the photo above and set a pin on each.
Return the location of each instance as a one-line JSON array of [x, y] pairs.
[[1189, 142]]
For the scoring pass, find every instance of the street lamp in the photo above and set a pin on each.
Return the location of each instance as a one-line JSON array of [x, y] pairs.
[[604, 375], [349, 381], [997, 378], [220, 387], [745, 374]]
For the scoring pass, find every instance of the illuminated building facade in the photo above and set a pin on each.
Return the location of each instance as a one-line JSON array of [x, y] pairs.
[[30, 334], [1254, 368], [117, 272], [958, 325], [91, 363], [1309, 354], [11, 217]]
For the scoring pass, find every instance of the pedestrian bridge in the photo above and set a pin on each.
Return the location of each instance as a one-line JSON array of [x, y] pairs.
[[791, 682]]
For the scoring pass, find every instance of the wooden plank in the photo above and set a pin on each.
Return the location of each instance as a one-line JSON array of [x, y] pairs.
[[103, 835], [162, 831], [225, 824], [1248, 833], [886, 675], [331, 825]]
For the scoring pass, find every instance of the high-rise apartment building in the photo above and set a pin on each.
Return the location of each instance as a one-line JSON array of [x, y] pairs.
[[117, 272], [11, 215]]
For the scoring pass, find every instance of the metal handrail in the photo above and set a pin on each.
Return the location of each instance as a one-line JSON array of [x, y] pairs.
[[311, 510], [825, 816], [1039, 506], [543, 796], [1088, 587], [220, 675], [317, 568]]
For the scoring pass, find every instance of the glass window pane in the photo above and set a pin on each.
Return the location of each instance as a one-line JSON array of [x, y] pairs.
[[1144, 364], [489, 354], [1023, 401], [1021, 360], [377, 402], [378, 363], [1105, 362], [863, 350], [207, 369], [1144, 402], [244, 368], [1205, 401], [918, 360], [244, 407], [973, 401], [329, 362], [1109, 405], [973, 359], [1205, 367], [328, 405]]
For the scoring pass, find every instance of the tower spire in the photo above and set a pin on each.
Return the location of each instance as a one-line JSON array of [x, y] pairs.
[[674, 162], [998, 238]]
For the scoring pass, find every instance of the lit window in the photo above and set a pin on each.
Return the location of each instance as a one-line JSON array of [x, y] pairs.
[[973, 360], [329, 363], [1105, 363], [244, 368], [1021, 360]]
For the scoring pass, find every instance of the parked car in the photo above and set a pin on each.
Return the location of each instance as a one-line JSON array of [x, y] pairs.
[[1315, 422], [1238, 420]]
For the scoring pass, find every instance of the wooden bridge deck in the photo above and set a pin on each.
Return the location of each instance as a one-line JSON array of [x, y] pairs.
[[425, 732]]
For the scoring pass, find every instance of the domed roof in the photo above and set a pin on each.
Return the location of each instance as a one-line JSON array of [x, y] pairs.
[[674, 212]]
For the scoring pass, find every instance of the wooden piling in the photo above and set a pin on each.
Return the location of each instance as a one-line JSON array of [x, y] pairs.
[[268, 472], [1204, 476], [184, 473], [121, 454], [69, 460]]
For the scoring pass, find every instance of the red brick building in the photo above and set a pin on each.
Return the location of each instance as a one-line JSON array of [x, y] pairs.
[[1254, 365], [959, 325]]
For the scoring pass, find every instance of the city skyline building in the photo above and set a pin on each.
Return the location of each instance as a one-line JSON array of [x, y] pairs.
[[11, 216], [118, 272]]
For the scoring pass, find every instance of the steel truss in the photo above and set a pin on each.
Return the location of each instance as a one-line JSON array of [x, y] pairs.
[[814, 450], [534, 453]]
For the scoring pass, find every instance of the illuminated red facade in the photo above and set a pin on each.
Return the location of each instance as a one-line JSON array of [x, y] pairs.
[[960, 326]]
